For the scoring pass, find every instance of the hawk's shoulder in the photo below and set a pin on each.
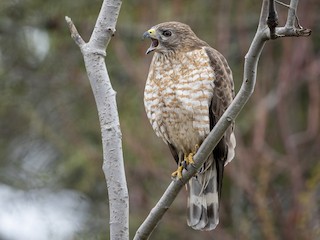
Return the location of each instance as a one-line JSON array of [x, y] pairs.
[[224, 86]]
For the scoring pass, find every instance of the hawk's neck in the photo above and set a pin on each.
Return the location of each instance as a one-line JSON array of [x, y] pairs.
[[163, 56]]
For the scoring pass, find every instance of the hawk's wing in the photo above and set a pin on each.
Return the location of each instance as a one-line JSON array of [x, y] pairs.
[[205, 190], [222, 98]]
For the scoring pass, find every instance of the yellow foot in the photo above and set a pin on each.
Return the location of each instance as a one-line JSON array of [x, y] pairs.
[[178, 172], [189, 158], [196, 147]]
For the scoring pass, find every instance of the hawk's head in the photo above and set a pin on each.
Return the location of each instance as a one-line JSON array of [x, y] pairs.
[[172, 36]]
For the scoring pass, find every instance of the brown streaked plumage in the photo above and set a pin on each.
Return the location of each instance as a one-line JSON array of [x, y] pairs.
[[189, 86]]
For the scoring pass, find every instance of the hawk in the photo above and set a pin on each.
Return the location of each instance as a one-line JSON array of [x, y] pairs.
[[188, 88]]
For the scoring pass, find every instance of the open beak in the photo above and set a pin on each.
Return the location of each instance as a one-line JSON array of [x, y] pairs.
[[151, 33]]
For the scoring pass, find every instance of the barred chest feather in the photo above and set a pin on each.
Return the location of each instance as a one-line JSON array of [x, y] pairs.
[[177, 97]]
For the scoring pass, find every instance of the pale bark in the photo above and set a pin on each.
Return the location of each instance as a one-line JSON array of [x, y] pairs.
[[249, 79], [94, 53]]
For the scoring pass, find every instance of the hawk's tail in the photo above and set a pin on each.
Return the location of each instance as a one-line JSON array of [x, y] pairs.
[[205, 188], [203, 200]]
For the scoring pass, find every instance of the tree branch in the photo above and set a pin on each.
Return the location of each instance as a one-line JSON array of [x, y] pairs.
[[249, 79], [93, 53]]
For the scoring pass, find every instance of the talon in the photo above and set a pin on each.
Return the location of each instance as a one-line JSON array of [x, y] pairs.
[[196, 147], [178, 172], [189, 159], [183, 164]]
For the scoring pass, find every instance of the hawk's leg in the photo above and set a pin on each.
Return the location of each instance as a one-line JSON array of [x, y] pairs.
[[178, 172], [183, 164], [189, 159]]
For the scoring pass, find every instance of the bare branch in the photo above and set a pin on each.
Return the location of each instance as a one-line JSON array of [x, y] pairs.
[[74, 32], [263, 16], [113, 167], [246, 90], [292, 13], [293, 20]]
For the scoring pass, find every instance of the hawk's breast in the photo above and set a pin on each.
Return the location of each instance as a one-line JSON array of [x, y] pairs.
[[177, 97]]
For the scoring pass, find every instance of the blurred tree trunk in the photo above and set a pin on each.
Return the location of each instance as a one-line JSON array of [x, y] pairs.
[[94, 53]]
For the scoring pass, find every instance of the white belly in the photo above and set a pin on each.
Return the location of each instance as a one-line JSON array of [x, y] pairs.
[[177, 99]]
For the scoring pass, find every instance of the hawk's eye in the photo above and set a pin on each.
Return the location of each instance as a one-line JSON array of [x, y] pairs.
[[167, 33]]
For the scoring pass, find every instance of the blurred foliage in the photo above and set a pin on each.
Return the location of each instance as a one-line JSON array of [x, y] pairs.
[[50, 133]]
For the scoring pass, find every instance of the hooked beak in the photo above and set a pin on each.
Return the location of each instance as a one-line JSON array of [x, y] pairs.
[[151, 33]]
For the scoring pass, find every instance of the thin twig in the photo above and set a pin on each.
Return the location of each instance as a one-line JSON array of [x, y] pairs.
[[74, 32], [283, 4]]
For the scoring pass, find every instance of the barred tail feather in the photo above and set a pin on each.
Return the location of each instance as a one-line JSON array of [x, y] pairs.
[[231, 144], [203, 200]]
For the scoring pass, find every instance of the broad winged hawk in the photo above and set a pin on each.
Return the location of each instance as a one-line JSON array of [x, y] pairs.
[[189, 86]]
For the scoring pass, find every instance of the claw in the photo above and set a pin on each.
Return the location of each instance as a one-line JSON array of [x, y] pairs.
[[189, 158], [177, 173], [183, 164], [196, 147]]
